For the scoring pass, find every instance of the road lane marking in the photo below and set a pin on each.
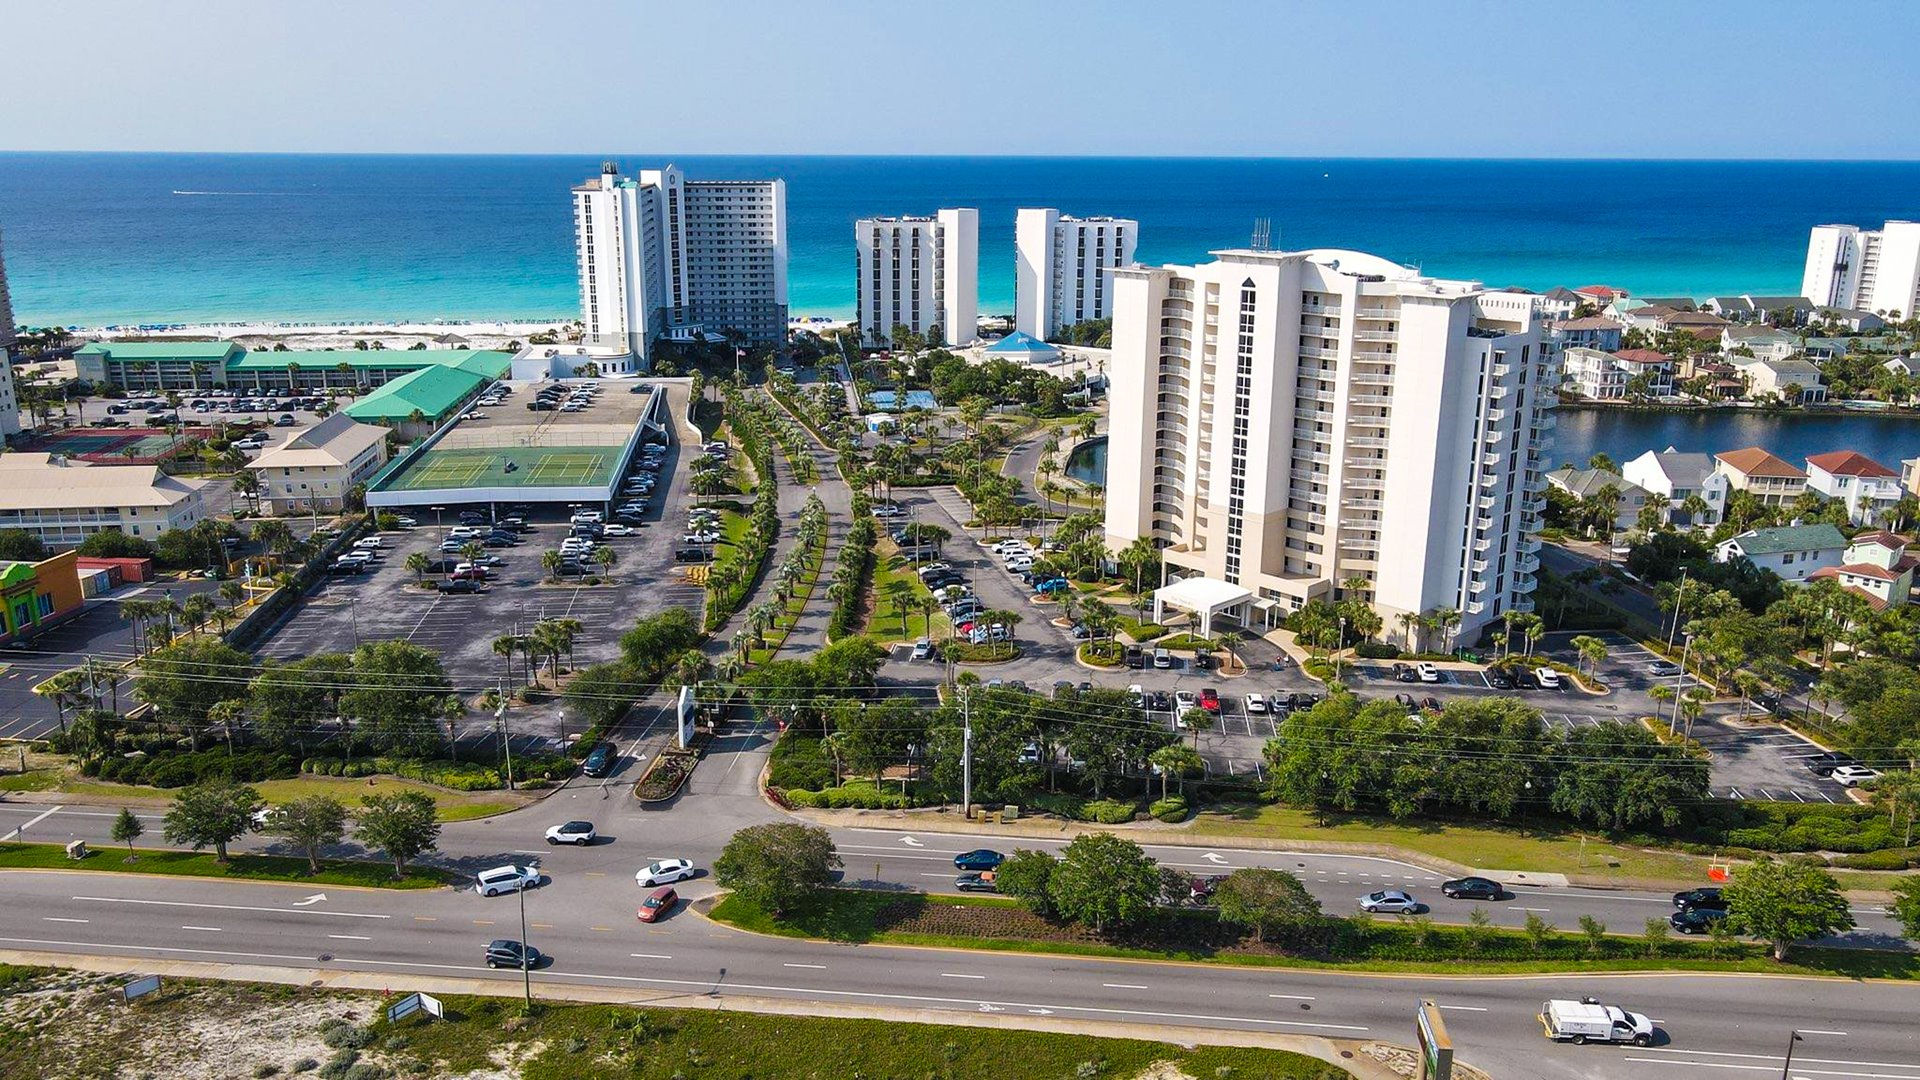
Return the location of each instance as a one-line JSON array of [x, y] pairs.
[[707, 986], [1294, 997], [209, 929], [425, 918], [55, 918], [815, 967], [483, 922], [649, 956], [15, 834], [1463, 1008], [951, 975], [348, 937], [541, 926], [1516, 907], [1123, 986], [602, 929], [232, 907], [1776, 1057], [1817, 1031]]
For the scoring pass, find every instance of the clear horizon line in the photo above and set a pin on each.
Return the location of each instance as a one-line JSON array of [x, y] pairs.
[[1607, 159]]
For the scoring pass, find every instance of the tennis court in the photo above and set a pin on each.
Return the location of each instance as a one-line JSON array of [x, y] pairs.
[[138, 446], [508, 466]]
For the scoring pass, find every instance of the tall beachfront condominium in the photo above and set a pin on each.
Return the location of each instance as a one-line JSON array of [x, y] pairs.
[[1063, 268], [1864, 269], [8, 335], [1284, 423], [664, 256], [921, 273]]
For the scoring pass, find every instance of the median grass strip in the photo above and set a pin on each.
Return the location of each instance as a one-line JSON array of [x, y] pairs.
[[1360, 944], [16, 856], [260, 1030], [449, 805]]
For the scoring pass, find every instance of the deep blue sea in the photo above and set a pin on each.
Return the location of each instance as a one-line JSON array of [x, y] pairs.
[[125, 238]]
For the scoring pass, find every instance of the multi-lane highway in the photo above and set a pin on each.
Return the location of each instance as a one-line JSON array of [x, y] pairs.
[[583, 916]]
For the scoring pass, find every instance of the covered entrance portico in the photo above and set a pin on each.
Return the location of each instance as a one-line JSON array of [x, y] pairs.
[[1205, 598]]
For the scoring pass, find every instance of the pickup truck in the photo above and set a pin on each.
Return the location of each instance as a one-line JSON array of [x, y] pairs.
[[1587, 1021]]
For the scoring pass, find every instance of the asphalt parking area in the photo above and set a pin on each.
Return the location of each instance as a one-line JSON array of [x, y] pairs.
[[385, 603], [1763, 761]]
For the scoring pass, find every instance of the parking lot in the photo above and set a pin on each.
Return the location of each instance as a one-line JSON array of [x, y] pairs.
[[385, 603]]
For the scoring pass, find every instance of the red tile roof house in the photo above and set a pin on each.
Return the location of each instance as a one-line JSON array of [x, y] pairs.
[[1877, 567], [1774, 481], [1654, 364], [1863, 484]]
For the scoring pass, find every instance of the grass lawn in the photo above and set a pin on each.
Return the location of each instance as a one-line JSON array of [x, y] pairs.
[[985, 923], [889, 567], [594, 1041], [1485, 847], [32, 780], [200, 864], [452, 805]]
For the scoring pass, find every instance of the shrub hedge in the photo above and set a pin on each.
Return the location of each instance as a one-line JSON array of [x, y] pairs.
[[173, 770], [1170, 809]]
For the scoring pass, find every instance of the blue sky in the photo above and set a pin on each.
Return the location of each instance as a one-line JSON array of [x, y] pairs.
[[1459, 78]]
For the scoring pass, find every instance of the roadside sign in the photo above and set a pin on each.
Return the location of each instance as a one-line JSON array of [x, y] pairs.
[[140, 987], [1436, 1048], [414, 1003]]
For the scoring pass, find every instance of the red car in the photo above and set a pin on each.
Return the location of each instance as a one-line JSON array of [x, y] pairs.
[[1210, 700], [658, 903]]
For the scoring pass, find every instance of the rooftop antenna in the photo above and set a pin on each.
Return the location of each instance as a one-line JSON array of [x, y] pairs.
[[1262, 234]]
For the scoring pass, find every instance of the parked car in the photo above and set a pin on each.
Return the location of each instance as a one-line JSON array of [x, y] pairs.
[[1663, 668], [1427, 672], [572, 832], [461, 586], [1548, 678], [1405, 673], [1498, 679], [1162, 659], [1184, 700], [1210, 699], [978, 859], [1390, 902], [1854, 775], [922, 650], [505, 879], [1256, 705], [502, 952], [663, 872], [658, 904], [1472, 888], [1136, 657], [1825, 764]]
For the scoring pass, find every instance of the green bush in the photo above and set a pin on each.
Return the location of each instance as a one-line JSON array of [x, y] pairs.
[[1110, 811], [1377, 650], [1171, 809], [1891, 859], [854, 795], [798, 764], [167, 767], [1101, 654], [1105, 811], [993, 652]]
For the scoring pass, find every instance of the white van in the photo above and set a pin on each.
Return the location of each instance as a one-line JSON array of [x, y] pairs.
[[1587, 1021]]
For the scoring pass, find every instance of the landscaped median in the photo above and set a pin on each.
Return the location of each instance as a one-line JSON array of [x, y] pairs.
[[1195, 935], [30, 856]]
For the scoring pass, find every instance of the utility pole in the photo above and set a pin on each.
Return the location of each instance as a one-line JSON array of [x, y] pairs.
[[526, 956], [1679, 600], [506, 742], [966, 754], [1679, 686]]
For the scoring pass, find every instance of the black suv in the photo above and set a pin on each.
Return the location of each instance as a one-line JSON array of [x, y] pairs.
[[1699, 898], [599, 763], [503, 952]]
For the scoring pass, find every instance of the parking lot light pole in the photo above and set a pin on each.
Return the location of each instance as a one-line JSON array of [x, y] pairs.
[[1679, 686]]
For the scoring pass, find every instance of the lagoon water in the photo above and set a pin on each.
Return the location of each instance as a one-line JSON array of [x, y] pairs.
[[93, 239]]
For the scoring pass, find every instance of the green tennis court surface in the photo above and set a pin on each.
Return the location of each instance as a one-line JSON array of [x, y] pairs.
[[508, 466]]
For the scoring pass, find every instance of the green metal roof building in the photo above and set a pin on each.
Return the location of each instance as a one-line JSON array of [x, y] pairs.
[[432, 392], [192, 365]]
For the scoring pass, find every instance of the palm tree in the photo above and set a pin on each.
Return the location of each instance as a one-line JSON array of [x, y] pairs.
[[899, 593], [504, 647], [1408, 620], [1445, 620], [473, 551], [550, 562], [197, 610], [232, 592], [605, 557], [1177, 760], [1228, 639], [1591, 651]]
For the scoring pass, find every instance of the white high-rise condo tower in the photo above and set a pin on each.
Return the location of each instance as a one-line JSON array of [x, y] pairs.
[[1063, 268], [664, 256], [921, 273], [1284, 423], [1864, 269]]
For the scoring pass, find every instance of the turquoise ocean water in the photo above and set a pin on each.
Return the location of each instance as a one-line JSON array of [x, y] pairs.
[[126, 238]]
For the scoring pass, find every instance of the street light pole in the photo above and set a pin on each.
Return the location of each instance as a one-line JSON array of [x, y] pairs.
[[1792, 1038], [526, 955], [506, 741], [1679, 686], [966, 754], [1679, 601]]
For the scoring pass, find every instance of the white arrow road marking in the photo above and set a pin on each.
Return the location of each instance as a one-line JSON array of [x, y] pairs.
[[227, 907], [314, 899], [1213, 858], [911, 842], [984, 1007], [1041, 1012]]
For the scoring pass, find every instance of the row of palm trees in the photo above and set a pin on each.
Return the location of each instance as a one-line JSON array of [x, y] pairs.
[[548, 639], [158, 621]]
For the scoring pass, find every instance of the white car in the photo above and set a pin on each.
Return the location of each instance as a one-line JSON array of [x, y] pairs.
[[663, 872], [505, 879], [1427, 672], [1548, 678], [1389, 901], [922, 650], [1852, 775], [619, 530], [1256, 704], [572, 832]]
